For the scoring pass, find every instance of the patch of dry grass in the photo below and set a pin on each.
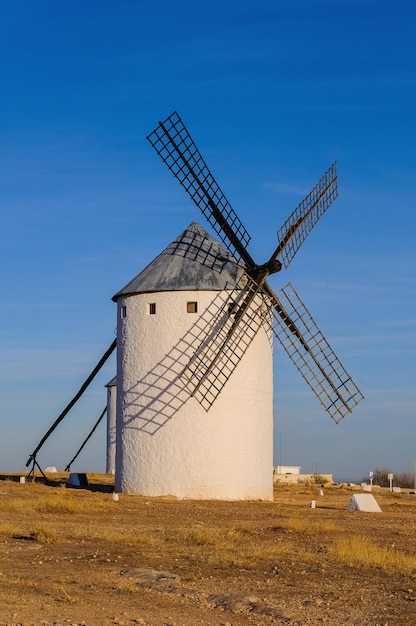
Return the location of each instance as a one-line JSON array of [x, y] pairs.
[[59, 502], [7, 528], [115, 535], [44, 534], [200, 536], [66, 597], [298, 524], [233, 547], [37, 498], [15, 580], [361, 551], [68, 501], [15, 505]]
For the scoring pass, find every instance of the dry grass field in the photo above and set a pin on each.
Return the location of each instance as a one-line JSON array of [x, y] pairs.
[[72, 556]]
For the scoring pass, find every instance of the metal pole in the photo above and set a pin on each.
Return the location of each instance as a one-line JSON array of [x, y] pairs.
[[73, 401], [414, 484]]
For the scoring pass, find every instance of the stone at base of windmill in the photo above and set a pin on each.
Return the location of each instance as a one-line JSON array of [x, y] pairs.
[[77, 480]]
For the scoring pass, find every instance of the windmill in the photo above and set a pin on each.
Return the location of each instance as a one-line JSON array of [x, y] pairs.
[[221, 362], [194, 392]]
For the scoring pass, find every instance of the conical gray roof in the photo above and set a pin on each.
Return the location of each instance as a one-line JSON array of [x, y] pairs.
[[194, 261]]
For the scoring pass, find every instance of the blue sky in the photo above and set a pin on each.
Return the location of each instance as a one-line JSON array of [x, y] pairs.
[[273, 91]]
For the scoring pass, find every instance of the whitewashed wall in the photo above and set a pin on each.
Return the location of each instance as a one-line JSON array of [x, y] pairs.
[[166, 442]]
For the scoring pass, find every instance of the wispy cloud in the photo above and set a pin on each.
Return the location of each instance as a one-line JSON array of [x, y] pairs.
[[397, 323], [292, 189]]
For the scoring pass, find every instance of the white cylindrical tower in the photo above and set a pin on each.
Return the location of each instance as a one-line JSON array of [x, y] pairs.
[[167, 444], [111, 426]]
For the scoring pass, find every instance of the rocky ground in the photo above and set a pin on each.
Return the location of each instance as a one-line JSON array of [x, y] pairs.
[[78, 557]]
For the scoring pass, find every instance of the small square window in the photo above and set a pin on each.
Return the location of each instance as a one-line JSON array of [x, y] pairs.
[[192, 307], [152, 308]]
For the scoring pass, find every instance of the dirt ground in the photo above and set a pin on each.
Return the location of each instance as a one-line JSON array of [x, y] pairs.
[[79, 557]]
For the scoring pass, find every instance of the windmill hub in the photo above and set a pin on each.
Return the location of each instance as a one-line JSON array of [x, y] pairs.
[[274, 266], [259, 273]]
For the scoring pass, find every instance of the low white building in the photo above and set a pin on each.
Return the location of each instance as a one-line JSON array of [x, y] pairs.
[[286, 469], [291, 474]]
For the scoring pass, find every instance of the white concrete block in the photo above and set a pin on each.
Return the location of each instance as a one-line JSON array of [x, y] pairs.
[[363, 502]]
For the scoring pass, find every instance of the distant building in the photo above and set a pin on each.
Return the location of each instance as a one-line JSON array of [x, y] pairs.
[[291, 474], [286, 469]]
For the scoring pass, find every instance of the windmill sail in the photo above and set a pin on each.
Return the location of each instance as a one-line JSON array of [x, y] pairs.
[[176, 148], [313, 356], [300, 223]]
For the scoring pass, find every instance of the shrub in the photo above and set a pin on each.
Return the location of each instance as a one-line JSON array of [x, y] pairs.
[[318, 479], [44, 534]]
